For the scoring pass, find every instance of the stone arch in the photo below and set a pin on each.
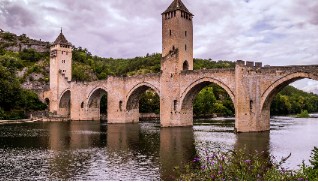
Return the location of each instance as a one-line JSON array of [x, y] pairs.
[[94, 107], [269, 94], [135, 93], [93, 99], [65, 103], [195, 87], [185, 65]]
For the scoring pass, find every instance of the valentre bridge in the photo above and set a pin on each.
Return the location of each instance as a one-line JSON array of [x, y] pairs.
[[250, 86]]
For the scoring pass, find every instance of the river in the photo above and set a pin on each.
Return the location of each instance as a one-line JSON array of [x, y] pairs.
[[89, 150]]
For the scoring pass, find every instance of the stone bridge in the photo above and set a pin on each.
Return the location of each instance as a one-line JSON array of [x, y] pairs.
[[251, 86]]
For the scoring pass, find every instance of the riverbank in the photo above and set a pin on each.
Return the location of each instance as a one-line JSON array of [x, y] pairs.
[[19, 121]]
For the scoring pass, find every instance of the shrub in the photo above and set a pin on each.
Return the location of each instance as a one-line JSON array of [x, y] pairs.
[[243, 166], [303, 114]]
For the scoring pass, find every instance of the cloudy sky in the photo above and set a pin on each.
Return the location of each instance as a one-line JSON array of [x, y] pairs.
[[276, 32]]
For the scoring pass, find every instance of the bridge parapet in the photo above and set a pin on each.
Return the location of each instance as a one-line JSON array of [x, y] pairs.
[[249, 64], [149, 75], [216, 70], [289, 69]]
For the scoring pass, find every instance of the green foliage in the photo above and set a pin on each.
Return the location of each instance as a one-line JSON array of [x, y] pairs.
[[104, 67], [303, 114], [103, 104], [293, 101], [240, 165], [81, 72], [213, 100], [11, 62], [15, 101], [314, 158], [209, 64], [204, 102], [149, 102], [2, 51], [8, 36], [30, 55], [9, 89]]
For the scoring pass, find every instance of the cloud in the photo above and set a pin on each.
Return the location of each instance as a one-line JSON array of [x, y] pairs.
[[274, 32]]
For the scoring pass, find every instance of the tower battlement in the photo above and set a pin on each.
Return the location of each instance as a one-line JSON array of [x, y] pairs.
[[177, 34]]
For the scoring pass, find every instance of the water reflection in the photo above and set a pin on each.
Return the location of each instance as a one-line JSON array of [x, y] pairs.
[[75, 135], [69, 141], [176, 149], [252, 142], [122, 137], [96, 151]]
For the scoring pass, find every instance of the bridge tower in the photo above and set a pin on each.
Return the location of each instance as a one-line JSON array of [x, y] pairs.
[[177, 37], [177, 56], [60, 70]]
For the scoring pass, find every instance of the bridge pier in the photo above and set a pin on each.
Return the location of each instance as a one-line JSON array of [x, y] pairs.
[[249, 116]]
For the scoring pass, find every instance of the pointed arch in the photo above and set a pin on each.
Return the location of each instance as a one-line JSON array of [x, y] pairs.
[[188, 95], [65, 103], [93, 99], [269, 94], [135, 93]]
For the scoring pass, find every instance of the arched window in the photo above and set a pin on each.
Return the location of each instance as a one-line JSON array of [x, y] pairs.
[[47, 102], [82, 105], [121, 105], [185, 65]]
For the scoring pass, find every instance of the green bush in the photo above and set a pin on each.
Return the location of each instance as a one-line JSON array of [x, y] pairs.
[[314, 158], [240, 165], [15, 101], [8, 36], [30, 55], [303, 114]]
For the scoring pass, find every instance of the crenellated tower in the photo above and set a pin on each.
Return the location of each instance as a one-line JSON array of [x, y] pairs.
[[60, 69], [177, 56], [177, 38]]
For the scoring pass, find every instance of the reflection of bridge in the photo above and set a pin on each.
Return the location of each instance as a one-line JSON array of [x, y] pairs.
[[250, 86]]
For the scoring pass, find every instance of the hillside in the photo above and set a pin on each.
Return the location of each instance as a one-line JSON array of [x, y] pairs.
[[28, 61]]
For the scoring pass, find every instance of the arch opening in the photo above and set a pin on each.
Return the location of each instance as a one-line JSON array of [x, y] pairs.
[[65, 104], [144, 104], [97, 104], [47, 102], [206, 100], [283, 98], [185, 65]]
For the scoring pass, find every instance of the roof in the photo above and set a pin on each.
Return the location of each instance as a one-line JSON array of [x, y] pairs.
[[177, 5], [61, 40]]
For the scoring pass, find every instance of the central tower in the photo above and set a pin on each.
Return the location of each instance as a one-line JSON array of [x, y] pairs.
[[177, 37], [177, 56]]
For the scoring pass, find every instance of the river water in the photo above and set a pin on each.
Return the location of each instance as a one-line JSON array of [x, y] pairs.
[[96, 151]]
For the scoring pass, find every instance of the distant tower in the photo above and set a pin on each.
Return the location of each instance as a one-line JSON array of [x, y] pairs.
[[60, 61], [60, 70], [177, 36]]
